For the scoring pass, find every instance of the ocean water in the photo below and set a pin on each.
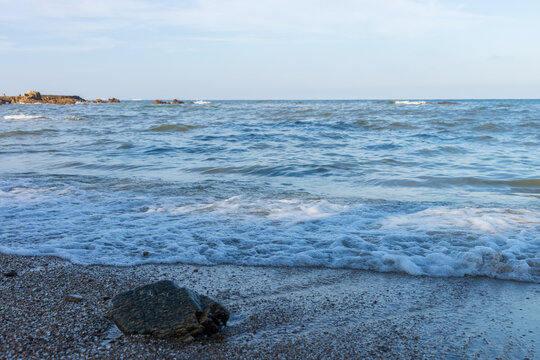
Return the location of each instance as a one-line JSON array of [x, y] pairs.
[[408, 186]]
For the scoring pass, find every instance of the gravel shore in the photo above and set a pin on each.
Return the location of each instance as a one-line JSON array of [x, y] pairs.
[[51, 308]]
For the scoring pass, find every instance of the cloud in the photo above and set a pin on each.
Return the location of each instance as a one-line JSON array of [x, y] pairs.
[[216, 20], [344, 18]]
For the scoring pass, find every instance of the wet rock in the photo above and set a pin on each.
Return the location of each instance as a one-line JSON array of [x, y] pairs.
[[176, 102], [164, 310], [73, 298], [447, 103], [114, 100], [161, 102], [98, 101], [10, 273], [146, 253], [34, 97]]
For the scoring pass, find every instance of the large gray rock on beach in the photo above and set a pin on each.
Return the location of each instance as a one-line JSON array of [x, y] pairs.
[[164, 310]]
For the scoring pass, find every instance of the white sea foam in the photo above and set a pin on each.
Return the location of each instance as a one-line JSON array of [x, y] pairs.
[[284, 209], [88, 225], [410, 102], [492, 220], [24, 117]]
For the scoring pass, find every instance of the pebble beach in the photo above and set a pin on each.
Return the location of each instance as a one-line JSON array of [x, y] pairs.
[[51, 308]]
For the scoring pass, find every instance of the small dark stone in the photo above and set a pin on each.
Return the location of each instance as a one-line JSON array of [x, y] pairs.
[[165, 310], [10, 273], [146, 253]]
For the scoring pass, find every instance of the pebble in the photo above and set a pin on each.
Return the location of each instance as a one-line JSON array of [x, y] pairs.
[[73, 298], [10, 273]]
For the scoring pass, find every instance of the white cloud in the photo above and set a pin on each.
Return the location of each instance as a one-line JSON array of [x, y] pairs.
[[343, 18], [241, 19]]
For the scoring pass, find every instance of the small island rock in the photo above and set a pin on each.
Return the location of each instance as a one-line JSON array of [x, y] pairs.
[[114, 100], [164, 310], [176, 102], [34, 97]]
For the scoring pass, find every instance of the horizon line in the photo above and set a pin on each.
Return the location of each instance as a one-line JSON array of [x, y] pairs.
[[328, 99]]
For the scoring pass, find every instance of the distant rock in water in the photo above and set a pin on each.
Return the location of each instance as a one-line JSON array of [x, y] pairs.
[[161, 102], [176, 102], [98, 101], [114, 100], [164, 310], [447, 103], [34, 97]]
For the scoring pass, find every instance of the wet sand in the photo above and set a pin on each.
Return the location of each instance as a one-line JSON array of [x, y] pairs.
[[288, 313]]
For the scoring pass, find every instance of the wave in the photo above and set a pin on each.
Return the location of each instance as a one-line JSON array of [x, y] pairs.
[[173, 128], [435, 241], [292, 170], [488, 127], [530, 124], [452, 181], [23, 133], [401, 125], [409, 102], [24, 117], [102, 167]]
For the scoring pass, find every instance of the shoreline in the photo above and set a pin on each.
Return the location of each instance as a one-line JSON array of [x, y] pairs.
[[276, 312]]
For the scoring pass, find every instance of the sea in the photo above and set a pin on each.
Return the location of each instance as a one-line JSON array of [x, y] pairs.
[[418, 187]]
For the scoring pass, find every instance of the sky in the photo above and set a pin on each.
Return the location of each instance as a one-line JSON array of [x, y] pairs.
[[271, 49]]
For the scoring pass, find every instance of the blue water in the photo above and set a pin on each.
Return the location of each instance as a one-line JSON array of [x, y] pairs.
[[421, 188]]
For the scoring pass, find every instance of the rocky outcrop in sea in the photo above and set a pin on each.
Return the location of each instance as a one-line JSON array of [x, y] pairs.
[[35, 97]]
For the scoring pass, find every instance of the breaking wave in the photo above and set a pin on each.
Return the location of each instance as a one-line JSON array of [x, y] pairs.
[[117, 229], [24, 117]]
